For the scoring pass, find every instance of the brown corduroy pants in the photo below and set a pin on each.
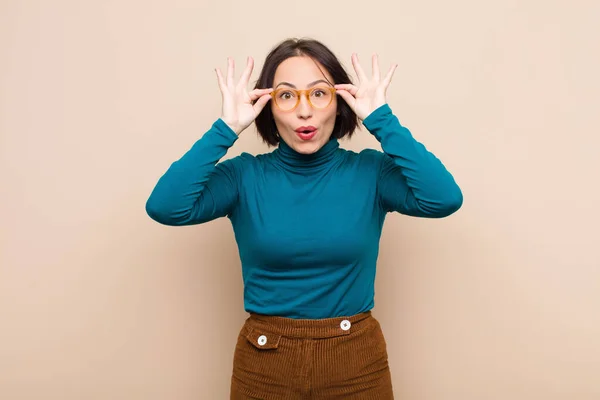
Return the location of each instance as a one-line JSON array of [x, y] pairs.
[[334, 358]]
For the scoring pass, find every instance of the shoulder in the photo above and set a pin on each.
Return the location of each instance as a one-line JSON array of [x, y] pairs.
[[366, 157], [246, 162], [240, 161]]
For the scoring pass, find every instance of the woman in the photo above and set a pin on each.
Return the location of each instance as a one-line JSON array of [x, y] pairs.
[[307, 218]]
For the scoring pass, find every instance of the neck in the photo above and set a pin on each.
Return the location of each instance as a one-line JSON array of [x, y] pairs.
[[295, 160]]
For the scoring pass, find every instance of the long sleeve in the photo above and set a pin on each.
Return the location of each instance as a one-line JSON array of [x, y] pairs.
[[196, 188], [412, 180]]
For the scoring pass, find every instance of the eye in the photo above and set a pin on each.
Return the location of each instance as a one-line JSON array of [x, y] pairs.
[[286, 95], [318, 93]]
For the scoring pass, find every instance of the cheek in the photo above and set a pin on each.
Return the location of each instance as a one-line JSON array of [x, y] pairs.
[[332, 110], [278, 117], [331, 115]]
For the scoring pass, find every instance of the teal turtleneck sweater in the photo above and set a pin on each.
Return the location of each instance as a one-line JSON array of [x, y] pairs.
[[307, 226]]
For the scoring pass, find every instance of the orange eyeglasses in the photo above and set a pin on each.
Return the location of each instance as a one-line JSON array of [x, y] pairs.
[[287, 99]]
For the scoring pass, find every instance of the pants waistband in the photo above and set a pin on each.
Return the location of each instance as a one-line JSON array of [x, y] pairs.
[[310, 328]]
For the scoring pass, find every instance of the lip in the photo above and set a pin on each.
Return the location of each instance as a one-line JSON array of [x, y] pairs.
[[306, 128], [306, 136]]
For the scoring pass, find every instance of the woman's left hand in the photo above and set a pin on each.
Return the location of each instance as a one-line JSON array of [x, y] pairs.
[[370, 93]]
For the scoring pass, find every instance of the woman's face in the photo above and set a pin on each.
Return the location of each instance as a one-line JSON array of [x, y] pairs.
[[305, 129]]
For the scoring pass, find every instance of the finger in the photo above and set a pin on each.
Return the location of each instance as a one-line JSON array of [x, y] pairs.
[[220, 79], [247, 72], [348, 98], [256, 93], [359, 71], [347, 87], [230, 71], [261, 102], [375, 66], [388, 78]]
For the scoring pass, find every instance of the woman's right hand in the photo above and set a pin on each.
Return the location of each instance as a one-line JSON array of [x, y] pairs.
[[238, 110]]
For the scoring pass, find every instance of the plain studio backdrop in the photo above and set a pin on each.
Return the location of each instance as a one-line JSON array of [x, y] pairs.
[[499, 301]]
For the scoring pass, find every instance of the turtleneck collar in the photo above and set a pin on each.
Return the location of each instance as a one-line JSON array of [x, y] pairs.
[[291, 158]]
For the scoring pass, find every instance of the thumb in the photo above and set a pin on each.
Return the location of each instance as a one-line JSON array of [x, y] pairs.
[[261, 102]]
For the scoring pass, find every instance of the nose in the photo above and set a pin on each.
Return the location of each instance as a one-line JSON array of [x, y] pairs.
[[304, 109]]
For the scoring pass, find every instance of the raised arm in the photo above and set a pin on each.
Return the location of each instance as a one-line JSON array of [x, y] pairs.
[[411, 180], [197, 188]]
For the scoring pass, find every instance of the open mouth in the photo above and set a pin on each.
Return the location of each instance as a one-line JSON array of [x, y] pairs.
[[306, 132]]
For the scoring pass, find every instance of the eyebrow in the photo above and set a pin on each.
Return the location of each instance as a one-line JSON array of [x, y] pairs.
[[309, 85]]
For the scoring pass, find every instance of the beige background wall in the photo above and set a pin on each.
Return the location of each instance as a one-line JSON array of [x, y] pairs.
[[500, 301]]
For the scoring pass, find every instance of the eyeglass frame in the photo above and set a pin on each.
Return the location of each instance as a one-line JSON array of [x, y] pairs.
[[304, 92]]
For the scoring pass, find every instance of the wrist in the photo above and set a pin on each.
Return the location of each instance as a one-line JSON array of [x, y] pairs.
[[234, 127]]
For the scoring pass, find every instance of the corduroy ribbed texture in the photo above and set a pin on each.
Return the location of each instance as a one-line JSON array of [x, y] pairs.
[[285, 358]]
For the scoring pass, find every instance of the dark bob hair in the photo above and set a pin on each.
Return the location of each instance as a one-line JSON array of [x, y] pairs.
[[346, 121]]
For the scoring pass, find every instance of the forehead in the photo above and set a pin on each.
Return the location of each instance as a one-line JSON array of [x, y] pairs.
[[300, 71]]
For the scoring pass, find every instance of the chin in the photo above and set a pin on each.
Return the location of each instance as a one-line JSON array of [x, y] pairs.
[[308, 147]]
